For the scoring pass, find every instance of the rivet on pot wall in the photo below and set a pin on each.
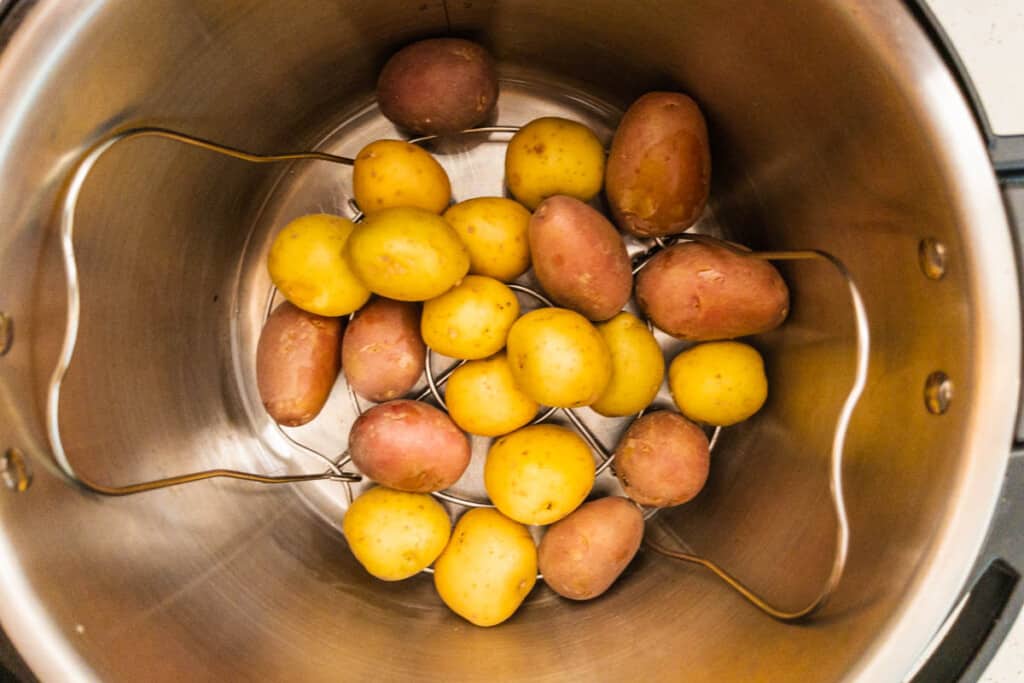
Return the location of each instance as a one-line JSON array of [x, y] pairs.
[[932, 256], [938, 392], [6, 333], [14, 471]]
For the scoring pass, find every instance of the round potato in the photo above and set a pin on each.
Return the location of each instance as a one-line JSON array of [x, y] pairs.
[[306, 264], [582, 555], [488, 567], [438, 86], [539, 474], [407, 254], [471, 320], [382, 353], [580, 258], [409, 446], [550, 156], [662, 460], [483, 398], [395, 534], [659, 166], [720, 383], [494, 230], [389, 173], [704, 292], [638, 366], [558, 358], [296, 363]]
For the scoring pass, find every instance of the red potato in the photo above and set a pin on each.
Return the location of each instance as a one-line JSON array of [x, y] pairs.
[[580, 258], [296, 363], [663, 459], [409, 446], [659, 168], [382, 353], [703, 292], [582, 555]]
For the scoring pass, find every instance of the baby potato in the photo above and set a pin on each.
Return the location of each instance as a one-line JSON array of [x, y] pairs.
[[382, 353], [488, 567], [296, 363], [483, 398], [395, 534], [494, 231], [703, 292], [409, 446], [637, 366], [539, 474], [390, 173], [550, 156], [720, 383], [558, 358], [662, 460], [407, 254], [582, 555], [438, 86], [580, 258], [471, 320], [306, 264]]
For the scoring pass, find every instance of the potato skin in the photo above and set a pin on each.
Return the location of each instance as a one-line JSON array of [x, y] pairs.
[[409, 446], [582, 555], [703, 292], [719, 383], [662, 460], [580, 258], [382, 354], [438, 86], [494, 230], [471, 320], [484, 399], [550, 156], [296, 363], [390, 173], [638, 366], [659, 167]]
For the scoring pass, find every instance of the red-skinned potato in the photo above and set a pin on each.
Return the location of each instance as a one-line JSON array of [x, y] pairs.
[[581, 556], [382, 353], [703, 292], [659, 168], [579, 258], [438, 86], [662, 460], [296, 363], [409, 446]]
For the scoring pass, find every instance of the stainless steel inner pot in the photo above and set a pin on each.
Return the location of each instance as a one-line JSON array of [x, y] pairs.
[[834, 125]]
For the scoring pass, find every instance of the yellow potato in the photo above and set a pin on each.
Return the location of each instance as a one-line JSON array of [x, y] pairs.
[[471, 320], [719, 383], [390, 173], [637, 366], [483, 398], [395, 534], [488, 568], [494, 231], [306, 264], [550, 156], [558, 358], [407, 254], [539, 474]]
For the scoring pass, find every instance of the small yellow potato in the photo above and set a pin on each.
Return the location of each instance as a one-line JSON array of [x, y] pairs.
[[550, 156], [471, 320], [488, 567], [718, 383], [637, 366], [539, 474], [494, 230], [395, 534], [484, 399], [390, 173]]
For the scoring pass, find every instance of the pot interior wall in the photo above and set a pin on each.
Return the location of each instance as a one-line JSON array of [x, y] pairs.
[[814, 146]]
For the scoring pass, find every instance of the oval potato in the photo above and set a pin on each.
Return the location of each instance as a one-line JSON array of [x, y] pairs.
[[409, 446], [662, 460], [494, 230], [719, 383], [296, 363], [659, 166], [704, 292], [580, 258], [390, 173], [581, 556], [483, 398], [382, 353], [550, 156], [471, 320], [638, 366]]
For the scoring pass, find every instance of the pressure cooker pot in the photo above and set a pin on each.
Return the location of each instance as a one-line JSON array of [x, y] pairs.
[[834, 126]]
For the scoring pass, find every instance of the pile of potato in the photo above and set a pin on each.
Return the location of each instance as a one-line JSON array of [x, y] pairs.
[[418, 272]]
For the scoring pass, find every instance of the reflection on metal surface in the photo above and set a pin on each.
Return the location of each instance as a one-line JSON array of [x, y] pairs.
[[14, 472], [6, 333], [938, 392], [932, 256]]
